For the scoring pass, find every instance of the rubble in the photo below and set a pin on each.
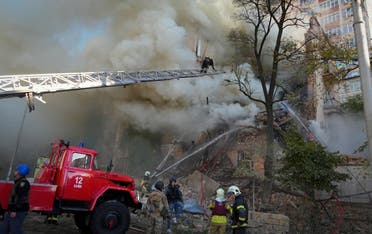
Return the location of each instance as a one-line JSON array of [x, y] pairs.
[[199, 185], [351, 160]]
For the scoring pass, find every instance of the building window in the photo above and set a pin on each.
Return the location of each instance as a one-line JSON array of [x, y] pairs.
[[347, 12], [331, 18], [304, 2], [329, 4], [334, 3], [347, 28], [245, 160], [334, 31]]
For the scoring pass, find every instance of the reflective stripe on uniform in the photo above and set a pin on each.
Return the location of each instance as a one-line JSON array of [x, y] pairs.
[[220, 219], [52, 218], [240, 207], [238, 226]]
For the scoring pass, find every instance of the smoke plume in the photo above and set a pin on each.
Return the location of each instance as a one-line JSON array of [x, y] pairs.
[[43, 36], [344, 133]]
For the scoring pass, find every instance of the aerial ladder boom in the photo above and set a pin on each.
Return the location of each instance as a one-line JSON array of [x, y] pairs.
[[34, 85]]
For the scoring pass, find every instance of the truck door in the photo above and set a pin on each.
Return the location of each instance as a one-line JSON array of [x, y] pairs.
[[78, 184]]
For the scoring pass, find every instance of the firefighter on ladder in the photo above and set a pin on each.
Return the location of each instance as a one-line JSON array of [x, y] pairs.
[[206, 63]]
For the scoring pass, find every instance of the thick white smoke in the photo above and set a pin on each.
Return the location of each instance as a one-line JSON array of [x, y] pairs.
[[344, 133], [47, 36]]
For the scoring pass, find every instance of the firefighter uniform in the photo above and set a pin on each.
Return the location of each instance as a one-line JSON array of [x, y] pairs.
[[157, 209], [145, 187], [239, 211], [220, 209], [240, 215], [206, 63]]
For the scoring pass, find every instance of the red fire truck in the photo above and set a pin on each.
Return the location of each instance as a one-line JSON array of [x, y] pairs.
[[71, 183]]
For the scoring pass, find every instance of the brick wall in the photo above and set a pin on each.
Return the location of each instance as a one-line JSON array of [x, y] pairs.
[[267, 223]]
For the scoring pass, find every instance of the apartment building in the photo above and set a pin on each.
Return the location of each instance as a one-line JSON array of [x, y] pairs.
[[336, 17], [336, 20]]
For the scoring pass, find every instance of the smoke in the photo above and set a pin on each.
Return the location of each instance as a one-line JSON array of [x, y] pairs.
[[183, 107], [343, 132], [44, 36], [157, 35]]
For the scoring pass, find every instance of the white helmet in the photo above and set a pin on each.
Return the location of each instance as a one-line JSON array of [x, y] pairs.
[[234, 189], [220, 193], [147, 173]]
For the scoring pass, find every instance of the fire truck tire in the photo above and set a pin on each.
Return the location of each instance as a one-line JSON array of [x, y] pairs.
[[80, 222], [110, 217]]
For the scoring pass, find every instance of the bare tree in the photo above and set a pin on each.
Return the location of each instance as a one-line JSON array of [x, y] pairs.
[[265, 22]]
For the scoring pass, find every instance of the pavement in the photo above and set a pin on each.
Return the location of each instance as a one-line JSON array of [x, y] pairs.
[[34, 224]]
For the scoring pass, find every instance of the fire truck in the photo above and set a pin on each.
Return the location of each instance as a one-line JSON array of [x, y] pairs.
[[72, 183]]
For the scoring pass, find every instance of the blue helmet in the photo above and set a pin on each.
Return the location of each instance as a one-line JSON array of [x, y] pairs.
[[23, 169]]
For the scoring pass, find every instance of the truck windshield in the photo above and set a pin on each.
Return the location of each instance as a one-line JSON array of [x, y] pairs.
[[81, 160]]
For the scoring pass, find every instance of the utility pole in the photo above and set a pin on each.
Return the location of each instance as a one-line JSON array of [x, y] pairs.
[[367, 19], [364, 68]]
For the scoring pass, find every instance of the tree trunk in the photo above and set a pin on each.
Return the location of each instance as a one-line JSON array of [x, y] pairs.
[[269, 160]]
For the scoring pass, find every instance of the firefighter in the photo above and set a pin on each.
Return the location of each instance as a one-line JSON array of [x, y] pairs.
[[145, 187], [220, 209], [206, 63], [239, 210], [157, 209], [18, 204]]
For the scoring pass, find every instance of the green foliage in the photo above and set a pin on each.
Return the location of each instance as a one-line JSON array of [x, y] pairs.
[[353, 104], [307, 166], [324, 54]]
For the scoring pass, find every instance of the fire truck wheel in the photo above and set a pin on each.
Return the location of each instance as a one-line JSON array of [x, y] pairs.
[[110, 217], [81, 223]]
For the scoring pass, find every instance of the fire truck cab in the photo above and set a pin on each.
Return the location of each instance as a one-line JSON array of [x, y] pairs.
[[72, 183]]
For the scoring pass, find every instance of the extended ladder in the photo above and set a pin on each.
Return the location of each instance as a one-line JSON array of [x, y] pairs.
[[30, 85]]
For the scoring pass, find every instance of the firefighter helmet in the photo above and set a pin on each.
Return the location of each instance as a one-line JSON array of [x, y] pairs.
[[220, 193], [23, 169], [234, 189]]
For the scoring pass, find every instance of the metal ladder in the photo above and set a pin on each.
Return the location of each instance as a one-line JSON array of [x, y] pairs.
[[34, 85]]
